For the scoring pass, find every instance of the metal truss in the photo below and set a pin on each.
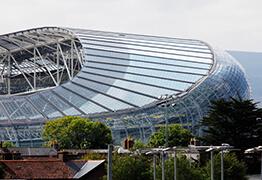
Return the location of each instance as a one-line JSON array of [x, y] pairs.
[[18, 134], [37, 59]]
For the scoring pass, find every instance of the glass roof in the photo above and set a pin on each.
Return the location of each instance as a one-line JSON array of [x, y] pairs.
[[116, 71]]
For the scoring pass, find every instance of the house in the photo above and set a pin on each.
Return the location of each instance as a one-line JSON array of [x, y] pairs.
[[52, 169]]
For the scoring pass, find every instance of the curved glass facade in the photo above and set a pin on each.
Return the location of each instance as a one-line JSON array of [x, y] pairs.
[[117, 78]]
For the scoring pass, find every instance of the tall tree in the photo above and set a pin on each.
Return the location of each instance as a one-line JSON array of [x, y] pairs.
[[177, 136], [236, 122], [77, 132]]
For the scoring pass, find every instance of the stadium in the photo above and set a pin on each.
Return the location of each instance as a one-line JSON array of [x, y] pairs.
[[132, 83]]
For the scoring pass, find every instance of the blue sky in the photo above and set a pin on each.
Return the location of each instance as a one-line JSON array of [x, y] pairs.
[[228, 24]]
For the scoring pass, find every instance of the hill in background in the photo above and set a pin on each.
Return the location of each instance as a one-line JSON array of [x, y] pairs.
[[252, 63]]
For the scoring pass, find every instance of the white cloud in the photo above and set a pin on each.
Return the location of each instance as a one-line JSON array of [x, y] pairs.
[[229, 24]]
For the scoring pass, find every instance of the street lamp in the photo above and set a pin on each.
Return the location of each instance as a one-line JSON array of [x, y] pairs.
[[254, 150], [163, 161], [211, 150], [109, 161], [175, 172], [161, 151], [222, 148], [166, 98], [154, 162]]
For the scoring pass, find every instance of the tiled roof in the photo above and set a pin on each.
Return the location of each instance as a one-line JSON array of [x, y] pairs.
[[35, 169]]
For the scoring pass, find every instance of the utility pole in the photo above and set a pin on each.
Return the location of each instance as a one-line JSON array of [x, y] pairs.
[[163, 165], [109, 163], [175, 173], [154, 166], [222, 164]]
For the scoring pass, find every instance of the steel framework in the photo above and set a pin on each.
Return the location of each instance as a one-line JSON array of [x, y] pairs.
[[38, 59]]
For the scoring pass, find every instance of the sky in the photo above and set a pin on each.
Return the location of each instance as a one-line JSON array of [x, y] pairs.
[[227, 24]]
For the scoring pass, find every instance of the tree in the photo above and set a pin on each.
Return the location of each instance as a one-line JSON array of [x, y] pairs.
[[186, 170], [77, 132], [177, 136], [131, 168], [236, 122], [8, 144], [233, 168], [138, 145]]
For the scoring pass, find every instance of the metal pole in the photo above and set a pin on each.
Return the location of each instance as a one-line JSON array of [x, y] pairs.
[[175, 173], [222, 165], [163, 165], [212, 165], [9, 75], [154, 165], [109, 163], [166, 129]]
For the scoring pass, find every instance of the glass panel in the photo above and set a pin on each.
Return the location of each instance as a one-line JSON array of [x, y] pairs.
[[60, 104], [28, 110], [13, 110], [149, 72], [157, 54], [126, 56], [168, 67], [157, 40], [125, 95], [149, 80], [81, 103], [145, 48], [2, 113], [152, 91], [44, 106], [86, 38], [100, 98]]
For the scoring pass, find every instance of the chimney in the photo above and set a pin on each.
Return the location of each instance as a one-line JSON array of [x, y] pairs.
[[63, 156]]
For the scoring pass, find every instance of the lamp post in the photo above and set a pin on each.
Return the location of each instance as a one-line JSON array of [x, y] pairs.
[[154, 162], [211, 150], [222, 164], [154, 166], [222, 148], [109, 163], [166, 99], [175, 173], [161, 151], [163, 165]]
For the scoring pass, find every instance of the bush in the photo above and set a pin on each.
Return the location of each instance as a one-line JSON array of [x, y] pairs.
[[233, 168], [131, 167], [185, 170]]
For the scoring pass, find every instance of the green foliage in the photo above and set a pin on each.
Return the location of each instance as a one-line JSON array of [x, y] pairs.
[[138, 145], [185, 170], [234, 122], [233, 168], [8, 144], [2, 172], [76, 132], [94, 156], [141, 167], [131, 168], [177, 136]]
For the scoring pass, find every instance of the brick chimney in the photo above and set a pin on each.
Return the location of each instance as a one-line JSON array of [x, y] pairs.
[[63, 156]]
